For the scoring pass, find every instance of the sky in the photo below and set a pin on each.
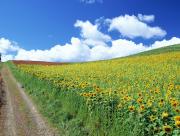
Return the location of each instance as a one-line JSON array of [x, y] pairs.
[[85, 30]]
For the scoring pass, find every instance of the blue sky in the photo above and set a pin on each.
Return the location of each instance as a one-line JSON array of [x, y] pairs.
[[42, 24]]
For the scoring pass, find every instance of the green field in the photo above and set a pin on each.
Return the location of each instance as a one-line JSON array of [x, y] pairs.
[[138, 95]]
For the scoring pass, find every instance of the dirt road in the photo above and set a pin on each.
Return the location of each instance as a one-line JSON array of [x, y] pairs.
[[18, 114]]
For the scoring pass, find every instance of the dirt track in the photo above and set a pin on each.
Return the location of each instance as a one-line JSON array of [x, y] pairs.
[[18, 114], [2, 107]]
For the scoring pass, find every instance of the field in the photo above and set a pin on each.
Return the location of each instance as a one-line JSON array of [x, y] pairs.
[[131, 96], [17, 62]]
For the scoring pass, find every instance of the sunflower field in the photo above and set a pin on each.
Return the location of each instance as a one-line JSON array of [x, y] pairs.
[[133, 96]]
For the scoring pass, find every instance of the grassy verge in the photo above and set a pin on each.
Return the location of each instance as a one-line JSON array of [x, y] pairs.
[[1, 65]]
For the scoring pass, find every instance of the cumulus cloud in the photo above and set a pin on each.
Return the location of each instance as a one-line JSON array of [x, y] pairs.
[[77, 51], [7, 45], [146, 18], [7, 57], [132, 27], [123, 47], [91, 1], [163, 43], [91, 34]]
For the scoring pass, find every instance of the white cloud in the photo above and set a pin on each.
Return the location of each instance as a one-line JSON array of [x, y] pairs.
[[132, 26], [163, 43], [119, 48], [146, 18], [91, 35], [77, 51], [7, 45], [99, 53], [91, 1], [93, 45], [123, 47], [7, 57]]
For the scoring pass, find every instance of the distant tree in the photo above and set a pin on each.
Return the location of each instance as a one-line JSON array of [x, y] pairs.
[[0, 57]]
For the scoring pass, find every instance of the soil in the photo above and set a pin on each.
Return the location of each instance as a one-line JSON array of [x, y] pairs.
[[2, 107], [18, 114]]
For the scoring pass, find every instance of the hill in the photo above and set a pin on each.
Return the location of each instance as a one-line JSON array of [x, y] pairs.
[[167, 49], [138, 93]]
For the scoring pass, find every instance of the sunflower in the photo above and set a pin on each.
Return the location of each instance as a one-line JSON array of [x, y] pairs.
[[157, 91], [177, 118], [152, 118], [177, 110], [167, 129], [161, 104], [165, 115], [177, 123], [98, 89], [139, 100], [174, 103], [131, 108], [139, 94], [149, 103], [162, 100], [142, 107]]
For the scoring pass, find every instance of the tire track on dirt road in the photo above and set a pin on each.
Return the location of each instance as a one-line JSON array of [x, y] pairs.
[[19, 116]]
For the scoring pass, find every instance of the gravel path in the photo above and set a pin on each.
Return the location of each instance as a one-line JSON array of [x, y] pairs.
[[18, 114]]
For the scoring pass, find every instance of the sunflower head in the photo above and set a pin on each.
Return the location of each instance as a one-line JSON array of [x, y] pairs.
[[177, 118], [167, 129], [152, 118], [131, 108], [165, 115], [139, 100], [177, 123], [142, 107], [177, 110]]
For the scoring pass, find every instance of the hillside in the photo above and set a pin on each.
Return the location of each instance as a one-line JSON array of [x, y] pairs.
[[167, 49], [138, 93]]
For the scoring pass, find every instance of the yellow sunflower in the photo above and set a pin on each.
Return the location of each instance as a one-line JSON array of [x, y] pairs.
[[167, 129]]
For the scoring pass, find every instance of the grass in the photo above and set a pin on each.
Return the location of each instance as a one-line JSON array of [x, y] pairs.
[[168, 49], [109, 98], [1, 65]]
